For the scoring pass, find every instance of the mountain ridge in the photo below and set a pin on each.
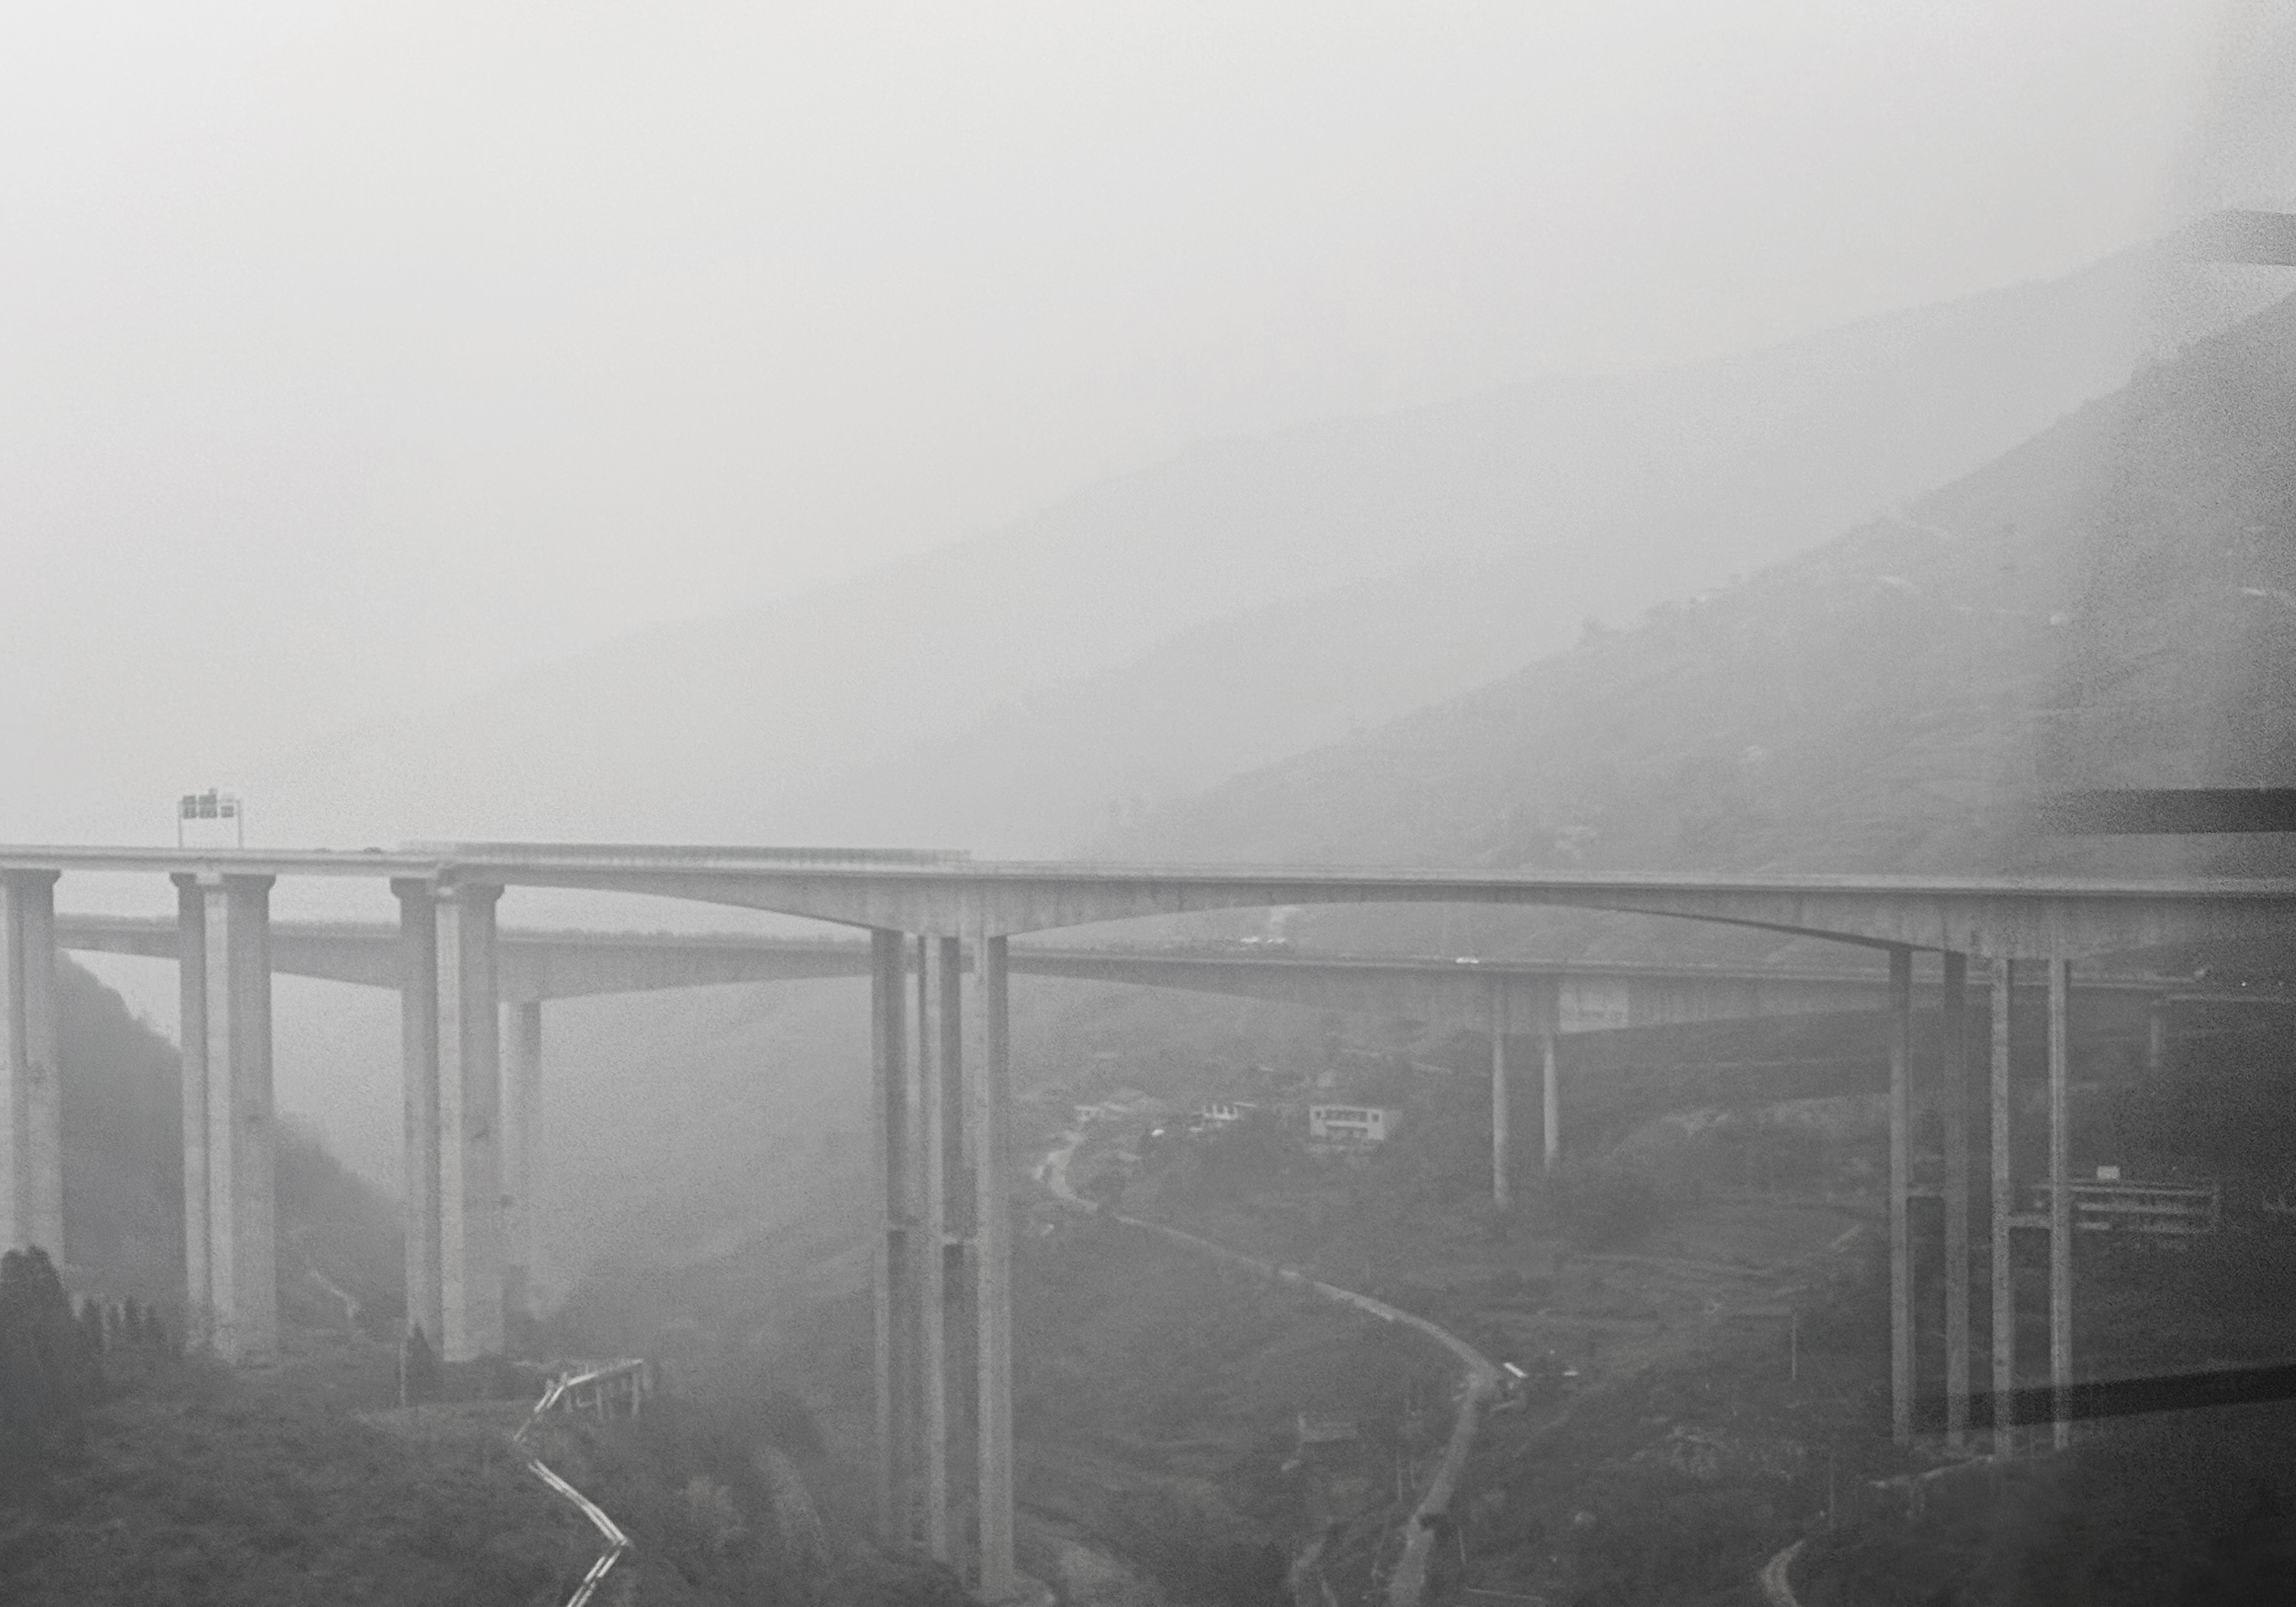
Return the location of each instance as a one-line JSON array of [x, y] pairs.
[[835, 714], [2107, 603]]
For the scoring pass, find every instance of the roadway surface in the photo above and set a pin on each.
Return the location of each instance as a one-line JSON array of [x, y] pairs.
[[946, 895]]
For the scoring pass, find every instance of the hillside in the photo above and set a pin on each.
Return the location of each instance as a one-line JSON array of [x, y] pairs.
[[123, 1182], [2109, 604], [200, 1485], [1496, 522]]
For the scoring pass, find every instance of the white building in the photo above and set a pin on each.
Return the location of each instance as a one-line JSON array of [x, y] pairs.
[[1220, 1113], [1349, 1124]]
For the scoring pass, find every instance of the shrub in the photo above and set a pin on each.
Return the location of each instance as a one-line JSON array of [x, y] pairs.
[[49, 1376]]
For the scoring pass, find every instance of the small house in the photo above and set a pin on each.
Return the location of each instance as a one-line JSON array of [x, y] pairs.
[[1349, 1125]]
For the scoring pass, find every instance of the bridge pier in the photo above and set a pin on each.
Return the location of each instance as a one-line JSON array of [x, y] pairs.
[[2061, 1206], [1956, 1093], [521, 1084], [939, 1022], [32, 1093], [2056, 1220], [988, 1077], [1500, 1138], [2004, 1207], [1550, 1098], [191, 1007], [960, 1329], [469, 1108], [418, 1050], [232, 1272], [1952, 1105], [895, 1270], [1901, 1279]]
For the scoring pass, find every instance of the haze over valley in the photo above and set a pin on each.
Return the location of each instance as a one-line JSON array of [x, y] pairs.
[[1165, 464]]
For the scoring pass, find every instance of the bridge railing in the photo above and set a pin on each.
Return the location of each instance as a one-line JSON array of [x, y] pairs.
[[600, 1387]]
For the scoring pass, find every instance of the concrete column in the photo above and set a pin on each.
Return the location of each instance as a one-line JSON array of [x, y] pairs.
[[987, 1051], [956, 1177], [1901, 1268], [522, 1022], [1955, 1097], [2005, 1206], [2061, 1205], [933, 1236], [961, 1319], [192, 1030], [470, 1110], [31, 1094], [418, 1062], [242, 1228], [889, 1095], [1551, 1096], [1500, 1138]]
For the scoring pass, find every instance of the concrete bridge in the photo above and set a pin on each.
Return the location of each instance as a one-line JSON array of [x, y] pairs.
[[940, 1071], [1541, 1000]]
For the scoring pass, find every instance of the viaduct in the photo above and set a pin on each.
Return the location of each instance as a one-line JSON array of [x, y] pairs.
[[1544, 1000], [939, 956]]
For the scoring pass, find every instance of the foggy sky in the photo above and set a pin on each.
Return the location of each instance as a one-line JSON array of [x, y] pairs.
[[352, 354]]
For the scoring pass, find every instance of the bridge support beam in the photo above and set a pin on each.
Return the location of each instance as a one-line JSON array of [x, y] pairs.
[[31, 1092], [1901, 1271], [1550, 1099], [894, 1280], [1501, 1193], [418, 1060], [2005, 1206], [521, 1032], [470, 1107], [1955, 1097], [988, 1075], [2061, 1206], [192, 1014], [931, 1249], [959, 1259], [231, 1142]]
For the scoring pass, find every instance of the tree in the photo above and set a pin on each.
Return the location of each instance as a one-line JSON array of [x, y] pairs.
[[47, 1376], [90, 1324], [419, 1377]]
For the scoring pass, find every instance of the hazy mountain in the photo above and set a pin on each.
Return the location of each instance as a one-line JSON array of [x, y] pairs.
[[2111, 604], [2108, 602], [1149, 639], [1245, 600]]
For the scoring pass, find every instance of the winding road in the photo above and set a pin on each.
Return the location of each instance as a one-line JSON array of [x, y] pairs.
[[1778, 1590], [1408, 1583]]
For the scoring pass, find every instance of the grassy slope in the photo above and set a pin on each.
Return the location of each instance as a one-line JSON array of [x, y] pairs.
[[1156, 1404], [200, 1485], [2194, 1509], [2107, 604], [265, 1490], [1686, 1452]]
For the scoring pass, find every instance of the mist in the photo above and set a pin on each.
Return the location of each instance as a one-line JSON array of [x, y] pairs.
[[360, 356], [1724, 446]]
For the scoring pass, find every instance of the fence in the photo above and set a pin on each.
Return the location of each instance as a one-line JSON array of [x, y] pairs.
[[600, 1388]]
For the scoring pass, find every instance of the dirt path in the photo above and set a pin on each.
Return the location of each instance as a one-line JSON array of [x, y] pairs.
[[1778, 1590], [1480, 1373]]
